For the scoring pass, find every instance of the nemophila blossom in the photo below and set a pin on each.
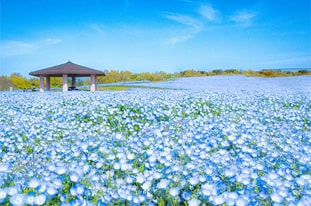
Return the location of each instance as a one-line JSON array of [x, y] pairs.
[[198, 144], [146, 185], [51, 191], [242, 201], [3, 195], [174, 192], [74, 177], [13, 190], [194, 202], [4, 167], [34, 183], [18, 199], [163, 184], [276, 197], [30, 198]]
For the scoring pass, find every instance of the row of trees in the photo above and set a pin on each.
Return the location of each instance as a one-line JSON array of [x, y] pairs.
[[20, 82]]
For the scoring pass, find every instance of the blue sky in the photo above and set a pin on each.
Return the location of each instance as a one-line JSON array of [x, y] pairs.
[[155, 35]]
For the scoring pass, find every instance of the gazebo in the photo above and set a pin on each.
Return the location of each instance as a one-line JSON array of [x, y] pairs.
[[66, 70]]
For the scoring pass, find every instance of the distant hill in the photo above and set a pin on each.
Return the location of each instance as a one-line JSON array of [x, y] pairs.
[[5, 84]]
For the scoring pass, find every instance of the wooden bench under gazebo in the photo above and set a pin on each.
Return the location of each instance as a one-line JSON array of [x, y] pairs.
[[66, 70]]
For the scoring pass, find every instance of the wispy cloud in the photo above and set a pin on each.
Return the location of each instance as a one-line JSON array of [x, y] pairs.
[[50, 41], [210, 13], [16, 48], [243, 18], [194, 25], [178, 39], [186, 20], [99, 28]]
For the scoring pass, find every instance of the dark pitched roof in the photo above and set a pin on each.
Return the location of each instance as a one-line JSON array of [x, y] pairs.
[[68, 68]]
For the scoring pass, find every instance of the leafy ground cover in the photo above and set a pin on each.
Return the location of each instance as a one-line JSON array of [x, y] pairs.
[[156, 147]]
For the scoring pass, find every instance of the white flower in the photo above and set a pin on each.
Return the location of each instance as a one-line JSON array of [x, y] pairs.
[[30, 198], [80, 189], [3, 193], [18, 200], [34, 183], [51, 191], [130, 156], [233, 195], [12, 190], [208, 189], [194, 202], [163, 184], [174, 191], [73, 191], [194, 180], [146, 186], [219, 199], [241, 202], [4, 167], [208, 171], [229, 173], [124, 167], [152, 158], [129, 179], [136, 200], [119, 136], [276, 197], [60, 170], [140, 178], [117, 166], [74, 177], [40, 200]]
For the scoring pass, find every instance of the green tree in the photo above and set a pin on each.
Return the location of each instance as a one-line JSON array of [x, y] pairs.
[[56, 82], [19, 81], [35, 82]]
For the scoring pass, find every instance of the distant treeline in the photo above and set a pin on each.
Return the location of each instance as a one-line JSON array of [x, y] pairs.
[[18, 81]]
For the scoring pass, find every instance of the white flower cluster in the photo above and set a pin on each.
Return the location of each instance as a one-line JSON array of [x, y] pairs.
[[156, 147]]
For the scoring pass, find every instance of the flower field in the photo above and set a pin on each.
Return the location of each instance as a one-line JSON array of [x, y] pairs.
[[156, 147]]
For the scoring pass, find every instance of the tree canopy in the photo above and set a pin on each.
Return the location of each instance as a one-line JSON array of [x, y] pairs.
[[18, 81]]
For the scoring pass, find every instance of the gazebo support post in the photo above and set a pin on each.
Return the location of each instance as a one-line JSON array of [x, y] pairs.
[[41, 83], [65, 82], [48, 83], [93, 83], [96, 83]]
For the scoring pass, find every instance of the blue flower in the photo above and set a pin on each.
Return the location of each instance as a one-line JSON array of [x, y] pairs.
[[3, 195], [74, 177], [30, 198], [18, 199]]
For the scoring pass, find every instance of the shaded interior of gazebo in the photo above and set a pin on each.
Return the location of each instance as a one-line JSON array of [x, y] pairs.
[[66, 70]]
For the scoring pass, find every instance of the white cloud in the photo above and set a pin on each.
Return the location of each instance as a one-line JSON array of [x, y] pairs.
[[16, 48], [210, 13], [99, 28], [50, 41], [178, 39], [186, 20], [195, 25], [243, 18]]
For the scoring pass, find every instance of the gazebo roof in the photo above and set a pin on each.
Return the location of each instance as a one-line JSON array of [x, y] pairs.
[[68, 68]]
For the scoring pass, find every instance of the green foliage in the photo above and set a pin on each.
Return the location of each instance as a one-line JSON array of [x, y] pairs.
[[56, 82], [274, 73], [19, 82], [125, 76], [5, 83], [4, 148]]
